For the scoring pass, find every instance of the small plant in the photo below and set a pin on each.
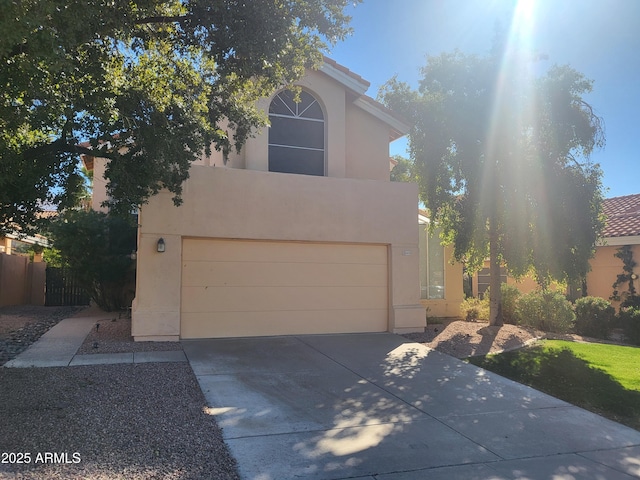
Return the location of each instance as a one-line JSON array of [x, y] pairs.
[[629, 318], [594, 317], [473, 309], [547, 311]]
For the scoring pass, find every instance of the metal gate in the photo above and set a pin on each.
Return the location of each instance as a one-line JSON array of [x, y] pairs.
[[64, 288]]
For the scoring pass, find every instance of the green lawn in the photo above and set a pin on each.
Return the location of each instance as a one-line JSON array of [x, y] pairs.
[[598, 377]]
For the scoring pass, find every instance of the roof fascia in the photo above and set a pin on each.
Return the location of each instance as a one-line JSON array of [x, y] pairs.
[[619, 241], [345, 79]]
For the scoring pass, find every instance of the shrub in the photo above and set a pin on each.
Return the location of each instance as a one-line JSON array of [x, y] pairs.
[[474, 309], [632, 301], [630, 322], [594, 317], [510, 297], [547, 311]]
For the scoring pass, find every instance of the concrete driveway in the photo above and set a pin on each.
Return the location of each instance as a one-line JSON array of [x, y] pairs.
[[376, 406]]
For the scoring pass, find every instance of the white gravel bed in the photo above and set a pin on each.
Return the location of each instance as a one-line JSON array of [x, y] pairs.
[[143, 421]]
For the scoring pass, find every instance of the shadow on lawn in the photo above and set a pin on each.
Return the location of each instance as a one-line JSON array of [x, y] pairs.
[[560, 373]]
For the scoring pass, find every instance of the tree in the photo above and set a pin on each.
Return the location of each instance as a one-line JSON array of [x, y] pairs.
[[502, 161], [98, 248], [147, 84], [403, 170]]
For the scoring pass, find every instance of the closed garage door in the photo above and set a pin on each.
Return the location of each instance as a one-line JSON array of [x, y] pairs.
[[234, 288]]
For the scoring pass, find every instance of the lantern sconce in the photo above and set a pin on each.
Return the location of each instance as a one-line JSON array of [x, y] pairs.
[[161, 245]]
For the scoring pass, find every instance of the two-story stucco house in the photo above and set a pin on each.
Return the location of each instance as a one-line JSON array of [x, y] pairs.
[[300, 233]]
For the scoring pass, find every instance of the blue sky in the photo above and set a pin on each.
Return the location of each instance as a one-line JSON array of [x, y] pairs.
[[600, 38]]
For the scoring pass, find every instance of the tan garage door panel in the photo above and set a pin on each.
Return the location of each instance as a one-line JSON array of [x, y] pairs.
[[247, 288]]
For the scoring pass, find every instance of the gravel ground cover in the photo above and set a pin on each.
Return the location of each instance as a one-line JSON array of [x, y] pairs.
[[22, 325], [144, 421], [114, 336]]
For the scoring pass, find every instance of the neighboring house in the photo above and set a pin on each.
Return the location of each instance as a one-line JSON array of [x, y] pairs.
[[622, 228], [300, 233], [441, 280], [14, 244]]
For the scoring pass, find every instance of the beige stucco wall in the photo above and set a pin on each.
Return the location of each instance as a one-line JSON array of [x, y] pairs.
[[367, 146], [246, 204], [99, 191], [605, 269], [525, 284]]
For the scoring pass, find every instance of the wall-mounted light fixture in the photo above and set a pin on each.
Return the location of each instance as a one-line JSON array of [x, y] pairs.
[[161, 245], [634, 276], [133, 255]]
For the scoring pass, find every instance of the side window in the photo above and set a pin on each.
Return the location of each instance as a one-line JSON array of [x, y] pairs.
[[296, 135], [431, 265]]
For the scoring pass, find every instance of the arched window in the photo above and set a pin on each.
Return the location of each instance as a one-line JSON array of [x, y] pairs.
[[296, 135]]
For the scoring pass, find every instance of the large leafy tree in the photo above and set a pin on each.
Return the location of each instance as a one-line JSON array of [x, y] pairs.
[[148, 84], [501, 151], [97, 247]]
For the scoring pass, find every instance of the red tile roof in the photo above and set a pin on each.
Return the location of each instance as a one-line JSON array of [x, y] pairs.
[[623, 216]]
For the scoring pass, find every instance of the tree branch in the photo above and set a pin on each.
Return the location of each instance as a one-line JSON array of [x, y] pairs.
[[62, 146], [161, 19]]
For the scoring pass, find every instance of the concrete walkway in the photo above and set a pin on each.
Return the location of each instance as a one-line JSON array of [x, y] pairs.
[[379, 407], [58, 347]]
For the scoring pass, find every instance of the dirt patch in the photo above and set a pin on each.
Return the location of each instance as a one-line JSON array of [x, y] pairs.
[[462, 339]]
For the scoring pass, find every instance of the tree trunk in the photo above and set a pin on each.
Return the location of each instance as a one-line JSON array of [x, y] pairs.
[[495, 304]]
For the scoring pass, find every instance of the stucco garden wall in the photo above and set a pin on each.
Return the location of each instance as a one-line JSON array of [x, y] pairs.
[[21, 282]]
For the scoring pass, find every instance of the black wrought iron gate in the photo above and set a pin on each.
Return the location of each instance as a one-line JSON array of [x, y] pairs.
[[64, 288]]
